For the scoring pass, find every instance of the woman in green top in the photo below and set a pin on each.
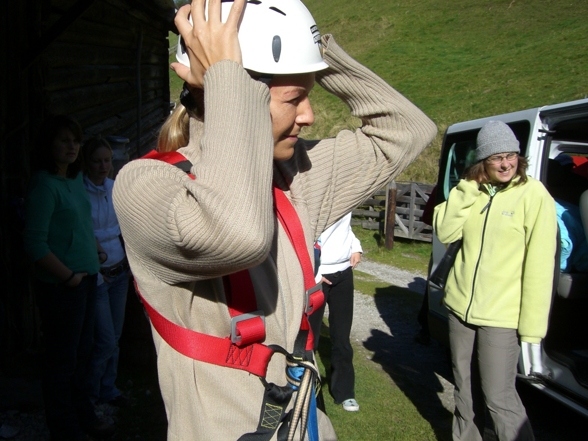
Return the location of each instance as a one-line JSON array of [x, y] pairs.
[[59, 237]]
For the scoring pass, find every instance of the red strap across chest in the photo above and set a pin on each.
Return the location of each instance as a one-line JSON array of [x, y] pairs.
[[241, 350]]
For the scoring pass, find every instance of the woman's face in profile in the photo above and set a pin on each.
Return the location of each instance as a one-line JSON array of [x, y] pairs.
[[99, 165], [65, 148]]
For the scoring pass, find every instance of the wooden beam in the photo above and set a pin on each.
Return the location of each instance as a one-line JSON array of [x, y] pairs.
[[71, 15], [390, 215]]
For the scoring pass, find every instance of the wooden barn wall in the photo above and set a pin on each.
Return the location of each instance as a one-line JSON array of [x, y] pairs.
[[20, 113], [105, 62], [110, 71]]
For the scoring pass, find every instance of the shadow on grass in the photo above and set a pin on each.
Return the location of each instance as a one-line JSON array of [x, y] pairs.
[[412, 367], [324, 349]]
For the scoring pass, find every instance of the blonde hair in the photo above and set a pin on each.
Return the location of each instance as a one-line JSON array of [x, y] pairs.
[[175, 131]]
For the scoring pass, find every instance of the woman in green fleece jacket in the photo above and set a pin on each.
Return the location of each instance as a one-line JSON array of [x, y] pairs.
[[499, 289]]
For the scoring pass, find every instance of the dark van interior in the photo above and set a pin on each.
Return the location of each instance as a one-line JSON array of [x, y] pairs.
[[566, 178]]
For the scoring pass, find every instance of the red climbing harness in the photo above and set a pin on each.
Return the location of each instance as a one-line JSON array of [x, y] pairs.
[[243, 348]]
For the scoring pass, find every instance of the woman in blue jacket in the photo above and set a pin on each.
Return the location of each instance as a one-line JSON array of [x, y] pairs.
[[113, 280]]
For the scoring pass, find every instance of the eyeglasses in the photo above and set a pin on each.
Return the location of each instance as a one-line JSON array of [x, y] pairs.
[[497, 159]]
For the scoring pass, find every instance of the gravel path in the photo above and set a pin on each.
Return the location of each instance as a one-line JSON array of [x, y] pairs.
[[386, 326]]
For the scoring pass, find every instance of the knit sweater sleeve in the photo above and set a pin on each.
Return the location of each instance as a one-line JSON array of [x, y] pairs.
[[183, 230], [451, 215], [538, 266], [350, 167]]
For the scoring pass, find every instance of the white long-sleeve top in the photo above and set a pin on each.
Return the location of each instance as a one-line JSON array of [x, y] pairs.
[[337, 244]]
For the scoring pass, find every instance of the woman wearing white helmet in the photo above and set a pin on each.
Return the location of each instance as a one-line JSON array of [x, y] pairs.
[[184, 235]]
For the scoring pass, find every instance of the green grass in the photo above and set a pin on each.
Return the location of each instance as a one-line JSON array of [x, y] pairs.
[[407, 254], [463, 59], [386, 413], [175, 84]]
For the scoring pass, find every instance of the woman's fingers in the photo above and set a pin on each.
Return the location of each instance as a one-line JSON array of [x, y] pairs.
[[181, 71], [181, 20], [210, 40], [214, 11], [236, 13]]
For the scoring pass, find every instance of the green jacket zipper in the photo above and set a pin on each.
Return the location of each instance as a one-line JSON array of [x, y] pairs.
[[487, 210]]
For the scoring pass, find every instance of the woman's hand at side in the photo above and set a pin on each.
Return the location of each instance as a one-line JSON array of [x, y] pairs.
[[51, 263], [75, 280], [207, 41]]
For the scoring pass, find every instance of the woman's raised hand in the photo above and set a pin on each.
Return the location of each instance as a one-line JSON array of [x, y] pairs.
[[207, 41]]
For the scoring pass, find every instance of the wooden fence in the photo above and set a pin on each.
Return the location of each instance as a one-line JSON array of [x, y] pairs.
[[402, 202]]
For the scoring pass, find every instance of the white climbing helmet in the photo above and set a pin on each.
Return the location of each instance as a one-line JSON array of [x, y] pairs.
[[276, 37]]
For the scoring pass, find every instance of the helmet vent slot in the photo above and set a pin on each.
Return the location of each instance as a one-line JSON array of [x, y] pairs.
[[273, 8], [276, 47]]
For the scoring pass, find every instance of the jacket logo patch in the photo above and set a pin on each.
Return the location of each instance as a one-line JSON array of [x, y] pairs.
[[508, 213]]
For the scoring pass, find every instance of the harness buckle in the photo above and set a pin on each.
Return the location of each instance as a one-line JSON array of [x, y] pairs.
[[255, 331], [308, 305]]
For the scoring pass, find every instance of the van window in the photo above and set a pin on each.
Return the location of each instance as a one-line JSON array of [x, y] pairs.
[[458, 154]]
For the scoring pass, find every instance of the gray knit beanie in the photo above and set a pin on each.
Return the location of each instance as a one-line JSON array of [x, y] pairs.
[[495, 137]]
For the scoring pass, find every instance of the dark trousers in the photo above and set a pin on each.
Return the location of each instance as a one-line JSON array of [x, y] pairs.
[[339, 297], [67, 320]]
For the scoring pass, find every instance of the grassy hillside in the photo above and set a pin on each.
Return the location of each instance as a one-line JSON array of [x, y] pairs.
[[462, 59], [459, 59]]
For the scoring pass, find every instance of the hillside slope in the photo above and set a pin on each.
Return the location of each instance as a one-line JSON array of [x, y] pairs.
[[460, 59]]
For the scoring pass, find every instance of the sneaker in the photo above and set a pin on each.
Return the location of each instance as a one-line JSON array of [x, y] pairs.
[[7, 432], [350, 405]]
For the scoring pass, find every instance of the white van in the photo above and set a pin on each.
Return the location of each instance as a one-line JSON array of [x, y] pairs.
[[544, 133]]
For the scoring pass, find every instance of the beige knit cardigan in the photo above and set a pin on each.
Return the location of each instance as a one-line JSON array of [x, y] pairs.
[[182, 235]]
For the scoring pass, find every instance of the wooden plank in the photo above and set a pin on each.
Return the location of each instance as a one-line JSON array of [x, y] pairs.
[[408, 199], [74, 53], [57, 27], [145, 11], [374, 202], [369, 213], [368, 225], [106, 34]]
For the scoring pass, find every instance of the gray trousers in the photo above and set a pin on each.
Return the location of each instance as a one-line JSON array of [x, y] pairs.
[[484, 363]]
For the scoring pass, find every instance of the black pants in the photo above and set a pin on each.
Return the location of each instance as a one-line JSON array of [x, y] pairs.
[[67, 320], [339, 297]]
